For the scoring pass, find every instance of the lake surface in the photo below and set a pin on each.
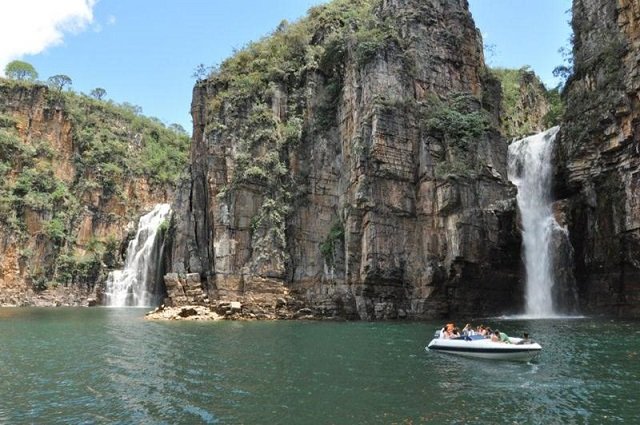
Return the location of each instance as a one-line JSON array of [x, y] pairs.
[[72, 366]]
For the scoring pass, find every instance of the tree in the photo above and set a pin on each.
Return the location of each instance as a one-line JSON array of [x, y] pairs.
[[19, 70], [565, 71], [134, 109], [201, 72], [98, 93], [59, 81], [178, 129]]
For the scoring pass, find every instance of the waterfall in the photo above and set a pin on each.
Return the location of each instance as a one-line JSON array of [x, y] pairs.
[[530, 170], [135, 285]]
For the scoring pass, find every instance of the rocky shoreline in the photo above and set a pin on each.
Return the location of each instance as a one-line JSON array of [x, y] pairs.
[[60, 296], [230, 310]]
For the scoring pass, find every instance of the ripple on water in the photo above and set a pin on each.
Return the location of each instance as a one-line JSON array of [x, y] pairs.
[[98, 366], [202, 414]]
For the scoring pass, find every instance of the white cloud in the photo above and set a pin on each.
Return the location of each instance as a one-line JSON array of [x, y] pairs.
[[28, 27]]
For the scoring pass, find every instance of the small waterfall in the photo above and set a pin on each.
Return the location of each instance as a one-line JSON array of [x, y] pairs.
[[530, 170], [135, 285]]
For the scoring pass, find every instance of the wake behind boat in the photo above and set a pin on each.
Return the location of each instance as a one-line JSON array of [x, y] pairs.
[[481, 347]]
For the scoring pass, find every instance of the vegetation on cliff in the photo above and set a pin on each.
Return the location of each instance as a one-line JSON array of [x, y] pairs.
[[58, 151], [20, 70], [261, 95], [527, 106], [286, 90], [459, 122], [350, 158]]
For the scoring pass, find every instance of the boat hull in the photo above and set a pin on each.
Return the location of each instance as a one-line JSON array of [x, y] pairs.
[[486, 349]]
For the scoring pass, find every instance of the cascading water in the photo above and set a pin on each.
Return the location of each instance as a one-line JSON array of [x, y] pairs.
[[135, 285], [530, 170]]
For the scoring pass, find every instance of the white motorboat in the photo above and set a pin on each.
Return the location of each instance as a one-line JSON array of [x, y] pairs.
[[481, 347]]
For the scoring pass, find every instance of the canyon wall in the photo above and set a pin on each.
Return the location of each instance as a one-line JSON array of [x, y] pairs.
[[71, 192], [353, 162], [598, 156], [527, 106]]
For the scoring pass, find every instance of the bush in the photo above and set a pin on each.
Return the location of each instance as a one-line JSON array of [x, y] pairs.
[[7, 121], [74, 270], [458, 122], [334, 237], [556, 109], [55, 230]]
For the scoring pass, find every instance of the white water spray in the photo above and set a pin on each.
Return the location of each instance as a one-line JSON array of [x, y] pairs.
[[530, 170], [133, 286]]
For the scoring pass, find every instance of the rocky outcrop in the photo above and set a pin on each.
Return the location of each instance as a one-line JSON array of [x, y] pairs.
[[352, 162], [70, 192], [526, 103], [191, 312], [184, 291], [597, 159]]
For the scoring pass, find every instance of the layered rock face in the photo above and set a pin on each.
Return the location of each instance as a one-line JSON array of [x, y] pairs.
[[525, 103], [364, 175], [598, 157], [65, 211]]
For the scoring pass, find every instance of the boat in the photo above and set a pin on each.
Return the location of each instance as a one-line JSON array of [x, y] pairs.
[[480, 347]]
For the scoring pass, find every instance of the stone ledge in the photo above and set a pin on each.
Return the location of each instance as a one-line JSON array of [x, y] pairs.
[[231, 310], [190, 312]]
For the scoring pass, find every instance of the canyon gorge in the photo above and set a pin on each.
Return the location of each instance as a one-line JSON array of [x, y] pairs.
[[352, 164]]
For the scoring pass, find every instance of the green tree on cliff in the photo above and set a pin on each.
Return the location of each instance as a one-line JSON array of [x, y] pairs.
[[201, 72], [178, 129], [19, 70], [58, 82], [98, 93]]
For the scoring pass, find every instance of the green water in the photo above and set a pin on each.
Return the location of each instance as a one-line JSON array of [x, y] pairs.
[[73, 366]]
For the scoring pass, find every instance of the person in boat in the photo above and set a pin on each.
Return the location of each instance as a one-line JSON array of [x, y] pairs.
[[468, 330], [443, 332], [500, 337], [447, 331], [525, 339], [455, 333]]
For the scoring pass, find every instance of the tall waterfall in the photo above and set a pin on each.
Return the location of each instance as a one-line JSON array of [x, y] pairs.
[[135, 285], [530, 170]]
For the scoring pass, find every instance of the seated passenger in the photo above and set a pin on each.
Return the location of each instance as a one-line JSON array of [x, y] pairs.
[[525, 339], [500, 337], [455, 333], [443, 332], [468, 330]]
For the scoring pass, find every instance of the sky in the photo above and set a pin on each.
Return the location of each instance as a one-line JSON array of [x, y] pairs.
[[144, 52]]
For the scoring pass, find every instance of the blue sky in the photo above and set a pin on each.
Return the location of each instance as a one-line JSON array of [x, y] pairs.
[[144, 52], [524, 32]]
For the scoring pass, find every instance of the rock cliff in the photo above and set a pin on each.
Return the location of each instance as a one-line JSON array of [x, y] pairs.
[[73, 185], [597, 157], [527, 106], [353, 162]]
